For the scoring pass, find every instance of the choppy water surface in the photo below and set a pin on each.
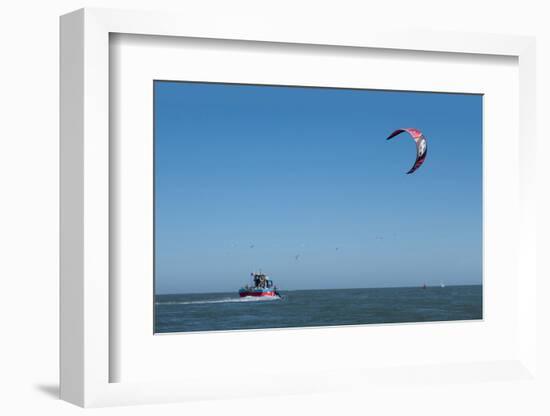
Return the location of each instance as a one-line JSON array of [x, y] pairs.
[[303, 308]]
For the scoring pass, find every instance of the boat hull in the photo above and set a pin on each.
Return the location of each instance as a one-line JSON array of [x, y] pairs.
[[271, 293]]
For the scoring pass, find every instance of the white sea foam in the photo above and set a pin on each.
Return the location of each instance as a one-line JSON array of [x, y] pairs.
[[224, 300]]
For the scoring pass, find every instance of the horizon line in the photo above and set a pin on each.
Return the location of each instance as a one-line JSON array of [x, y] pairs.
[[342, 288]]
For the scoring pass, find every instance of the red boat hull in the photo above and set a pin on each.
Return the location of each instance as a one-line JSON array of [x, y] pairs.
[[257, 294]]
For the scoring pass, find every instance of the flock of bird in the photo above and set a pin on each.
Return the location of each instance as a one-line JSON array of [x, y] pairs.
[[297, 256]]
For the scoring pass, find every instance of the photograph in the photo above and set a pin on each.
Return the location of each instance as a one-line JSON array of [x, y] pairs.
[[293, 207]]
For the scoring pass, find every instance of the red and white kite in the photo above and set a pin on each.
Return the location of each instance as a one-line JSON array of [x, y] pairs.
[[421, 145]]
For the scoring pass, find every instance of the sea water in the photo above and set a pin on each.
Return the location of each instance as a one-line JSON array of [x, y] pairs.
[[312, 308]]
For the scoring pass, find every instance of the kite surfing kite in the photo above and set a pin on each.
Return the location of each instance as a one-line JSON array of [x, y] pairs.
[[421, 145]]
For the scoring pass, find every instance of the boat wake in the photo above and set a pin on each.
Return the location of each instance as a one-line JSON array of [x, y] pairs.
[[225, 300]]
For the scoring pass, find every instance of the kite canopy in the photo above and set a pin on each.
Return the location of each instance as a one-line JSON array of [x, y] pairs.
[[421, 145]]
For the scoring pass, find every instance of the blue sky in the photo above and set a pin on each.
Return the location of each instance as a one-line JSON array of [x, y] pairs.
[[301, 183]]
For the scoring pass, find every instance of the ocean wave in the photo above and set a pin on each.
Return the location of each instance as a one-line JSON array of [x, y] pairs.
[[225, 300]]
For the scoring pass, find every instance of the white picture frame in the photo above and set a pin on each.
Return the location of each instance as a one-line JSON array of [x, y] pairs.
[[87, 301]]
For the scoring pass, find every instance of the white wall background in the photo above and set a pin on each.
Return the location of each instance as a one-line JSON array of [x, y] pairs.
[[29, 56]]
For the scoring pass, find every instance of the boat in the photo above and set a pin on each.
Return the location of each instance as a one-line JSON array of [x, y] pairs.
[[262, 286]]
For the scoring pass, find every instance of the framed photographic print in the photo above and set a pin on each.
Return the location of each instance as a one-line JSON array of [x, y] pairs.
[[301, 182], [313, 203]]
